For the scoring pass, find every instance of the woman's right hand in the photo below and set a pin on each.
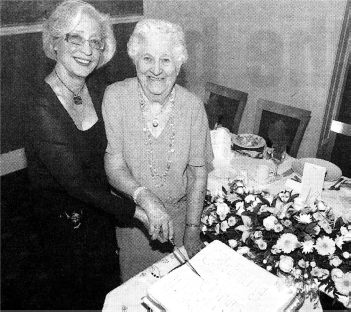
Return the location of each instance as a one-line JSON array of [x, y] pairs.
[[160, 223]]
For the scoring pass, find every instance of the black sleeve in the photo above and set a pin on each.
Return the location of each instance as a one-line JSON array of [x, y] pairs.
[[50, 138]]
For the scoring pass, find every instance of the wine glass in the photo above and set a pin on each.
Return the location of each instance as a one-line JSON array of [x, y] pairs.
[[278, 155]]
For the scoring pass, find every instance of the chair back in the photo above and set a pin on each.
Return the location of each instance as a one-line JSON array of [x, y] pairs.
[[340, 127], [295, 120], [225, 106]]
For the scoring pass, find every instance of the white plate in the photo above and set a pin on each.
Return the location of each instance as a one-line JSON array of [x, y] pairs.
[[247, 140], [333, 171]]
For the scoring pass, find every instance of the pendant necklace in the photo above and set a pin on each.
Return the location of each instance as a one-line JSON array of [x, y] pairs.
[[159, 179], [77, 99]]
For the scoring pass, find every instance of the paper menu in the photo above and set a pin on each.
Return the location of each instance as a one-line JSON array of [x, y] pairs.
[[312, 181]]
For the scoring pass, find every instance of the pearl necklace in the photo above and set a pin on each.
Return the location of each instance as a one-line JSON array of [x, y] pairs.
[[158, 179], [77, 99]]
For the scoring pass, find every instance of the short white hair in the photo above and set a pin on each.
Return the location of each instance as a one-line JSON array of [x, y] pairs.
[[153, 27], [66, 17]]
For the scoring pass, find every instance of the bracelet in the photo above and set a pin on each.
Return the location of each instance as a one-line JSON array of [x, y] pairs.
[[192, 225], [136, 193]]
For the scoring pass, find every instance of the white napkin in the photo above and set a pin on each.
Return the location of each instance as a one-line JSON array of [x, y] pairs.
[[221, 145]]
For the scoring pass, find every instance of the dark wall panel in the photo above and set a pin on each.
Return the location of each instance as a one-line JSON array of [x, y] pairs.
[[19, 12], [23, 63]]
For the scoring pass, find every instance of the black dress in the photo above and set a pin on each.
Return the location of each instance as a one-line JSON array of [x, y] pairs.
[[73, 208]]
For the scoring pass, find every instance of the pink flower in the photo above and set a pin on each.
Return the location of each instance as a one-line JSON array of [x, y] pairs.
[[325, 246], [286, 263]]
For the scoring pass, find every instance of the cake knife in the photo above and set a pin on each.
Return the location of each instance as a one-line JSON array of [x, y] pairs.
[[180, 256]]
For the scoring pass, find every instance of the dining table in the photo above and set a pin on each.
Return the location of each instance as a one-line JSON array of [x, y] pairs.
[[129, 296]]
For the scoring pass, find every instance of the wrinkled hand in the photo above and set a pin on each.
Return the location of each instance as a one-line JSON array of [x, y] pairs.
[[192, 241], [160, 223]]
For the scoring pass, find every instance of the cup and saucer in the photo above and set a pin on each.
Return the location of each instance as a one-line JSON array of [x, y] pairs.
[[264, 173]]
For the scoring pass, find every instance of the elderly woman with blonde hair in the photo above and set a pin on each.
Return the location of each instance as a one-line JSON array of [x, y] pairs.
[[158, 148], [73, 208]]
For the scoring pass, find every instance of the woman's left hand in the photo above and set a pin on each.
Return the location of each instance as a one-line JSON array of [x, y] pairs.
[[192, 241]]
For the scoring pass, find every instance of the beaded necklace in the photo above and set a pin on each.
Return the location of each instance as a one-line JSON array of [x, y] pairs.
[[156, 177]]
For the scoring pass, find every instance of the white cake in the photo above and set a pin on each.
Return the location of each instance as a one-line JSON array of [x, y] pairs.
[[228, 282]]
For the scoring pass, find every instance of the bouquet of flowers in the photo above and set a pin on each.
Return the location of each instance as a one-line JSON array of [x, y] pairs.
[[301, 241]]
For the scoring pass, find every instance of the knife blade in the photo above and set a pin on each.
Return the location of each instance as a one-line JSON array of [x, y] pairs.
[[181, 257]]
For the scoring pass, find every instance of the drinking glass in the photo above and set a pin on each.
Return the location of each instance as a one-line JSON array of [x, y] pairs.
[[278, 155]]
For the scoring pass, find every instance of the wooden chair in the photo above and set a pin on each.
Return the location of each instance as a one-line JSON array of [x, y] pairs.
[[340, 127], [295, 119], [225, 105]]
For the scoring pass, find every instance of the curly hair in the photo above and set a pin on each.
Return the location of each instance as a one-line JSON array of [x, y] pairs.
[[66, 17], [152, 27]]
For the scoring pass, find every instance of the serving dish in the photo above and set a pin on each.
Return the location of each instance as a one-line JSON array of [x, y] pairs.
[[248, 140], [333, 172]]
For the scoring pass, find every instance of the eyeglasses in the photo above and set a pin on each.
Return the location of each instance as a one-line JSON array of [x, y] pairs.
[[94, 43]]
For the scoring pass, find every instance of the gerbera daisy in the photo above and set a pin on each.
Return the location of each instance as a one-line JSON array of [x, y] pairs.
[[325, 246], [304, 218], [307, 246], [287, 242]]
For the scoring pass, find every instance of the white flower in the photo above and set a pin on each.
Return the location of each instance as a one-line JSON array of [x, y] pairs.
[[313, 264], [343, 284], [224, 226], [269, 222], [232, 243], [339, 241], [319, 273], [204, 228], [250, 198], [232, 221], [257, 234], [303, 264], [346, 234], [335, 261], [278, 228], [287, 242], [261, 244], [222, 210], [239, 206], [269, 268], [239, 190], [269, 197], [297, 273], [316, 230], [286, 263], [325, 246], [307, 246], [336, 274], [243, 250], [304, 218], [346, 255], [220, 200]]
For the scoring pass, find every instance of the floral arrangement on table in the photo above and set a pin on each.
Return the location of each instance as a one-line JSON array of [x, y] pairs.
[[303, 242]]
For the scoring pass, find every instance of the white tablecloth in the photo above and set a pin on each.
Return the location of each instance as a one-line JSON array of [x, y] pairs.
[[128, 296]]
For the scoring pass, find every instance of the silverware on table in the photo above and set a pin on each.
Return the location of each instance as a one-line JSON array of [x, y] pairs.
[[336, 185]]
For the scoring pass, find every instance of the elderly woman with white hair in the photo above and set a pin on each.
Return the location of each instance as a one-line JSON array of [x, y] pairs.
[[158, 148], [73, 209]]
